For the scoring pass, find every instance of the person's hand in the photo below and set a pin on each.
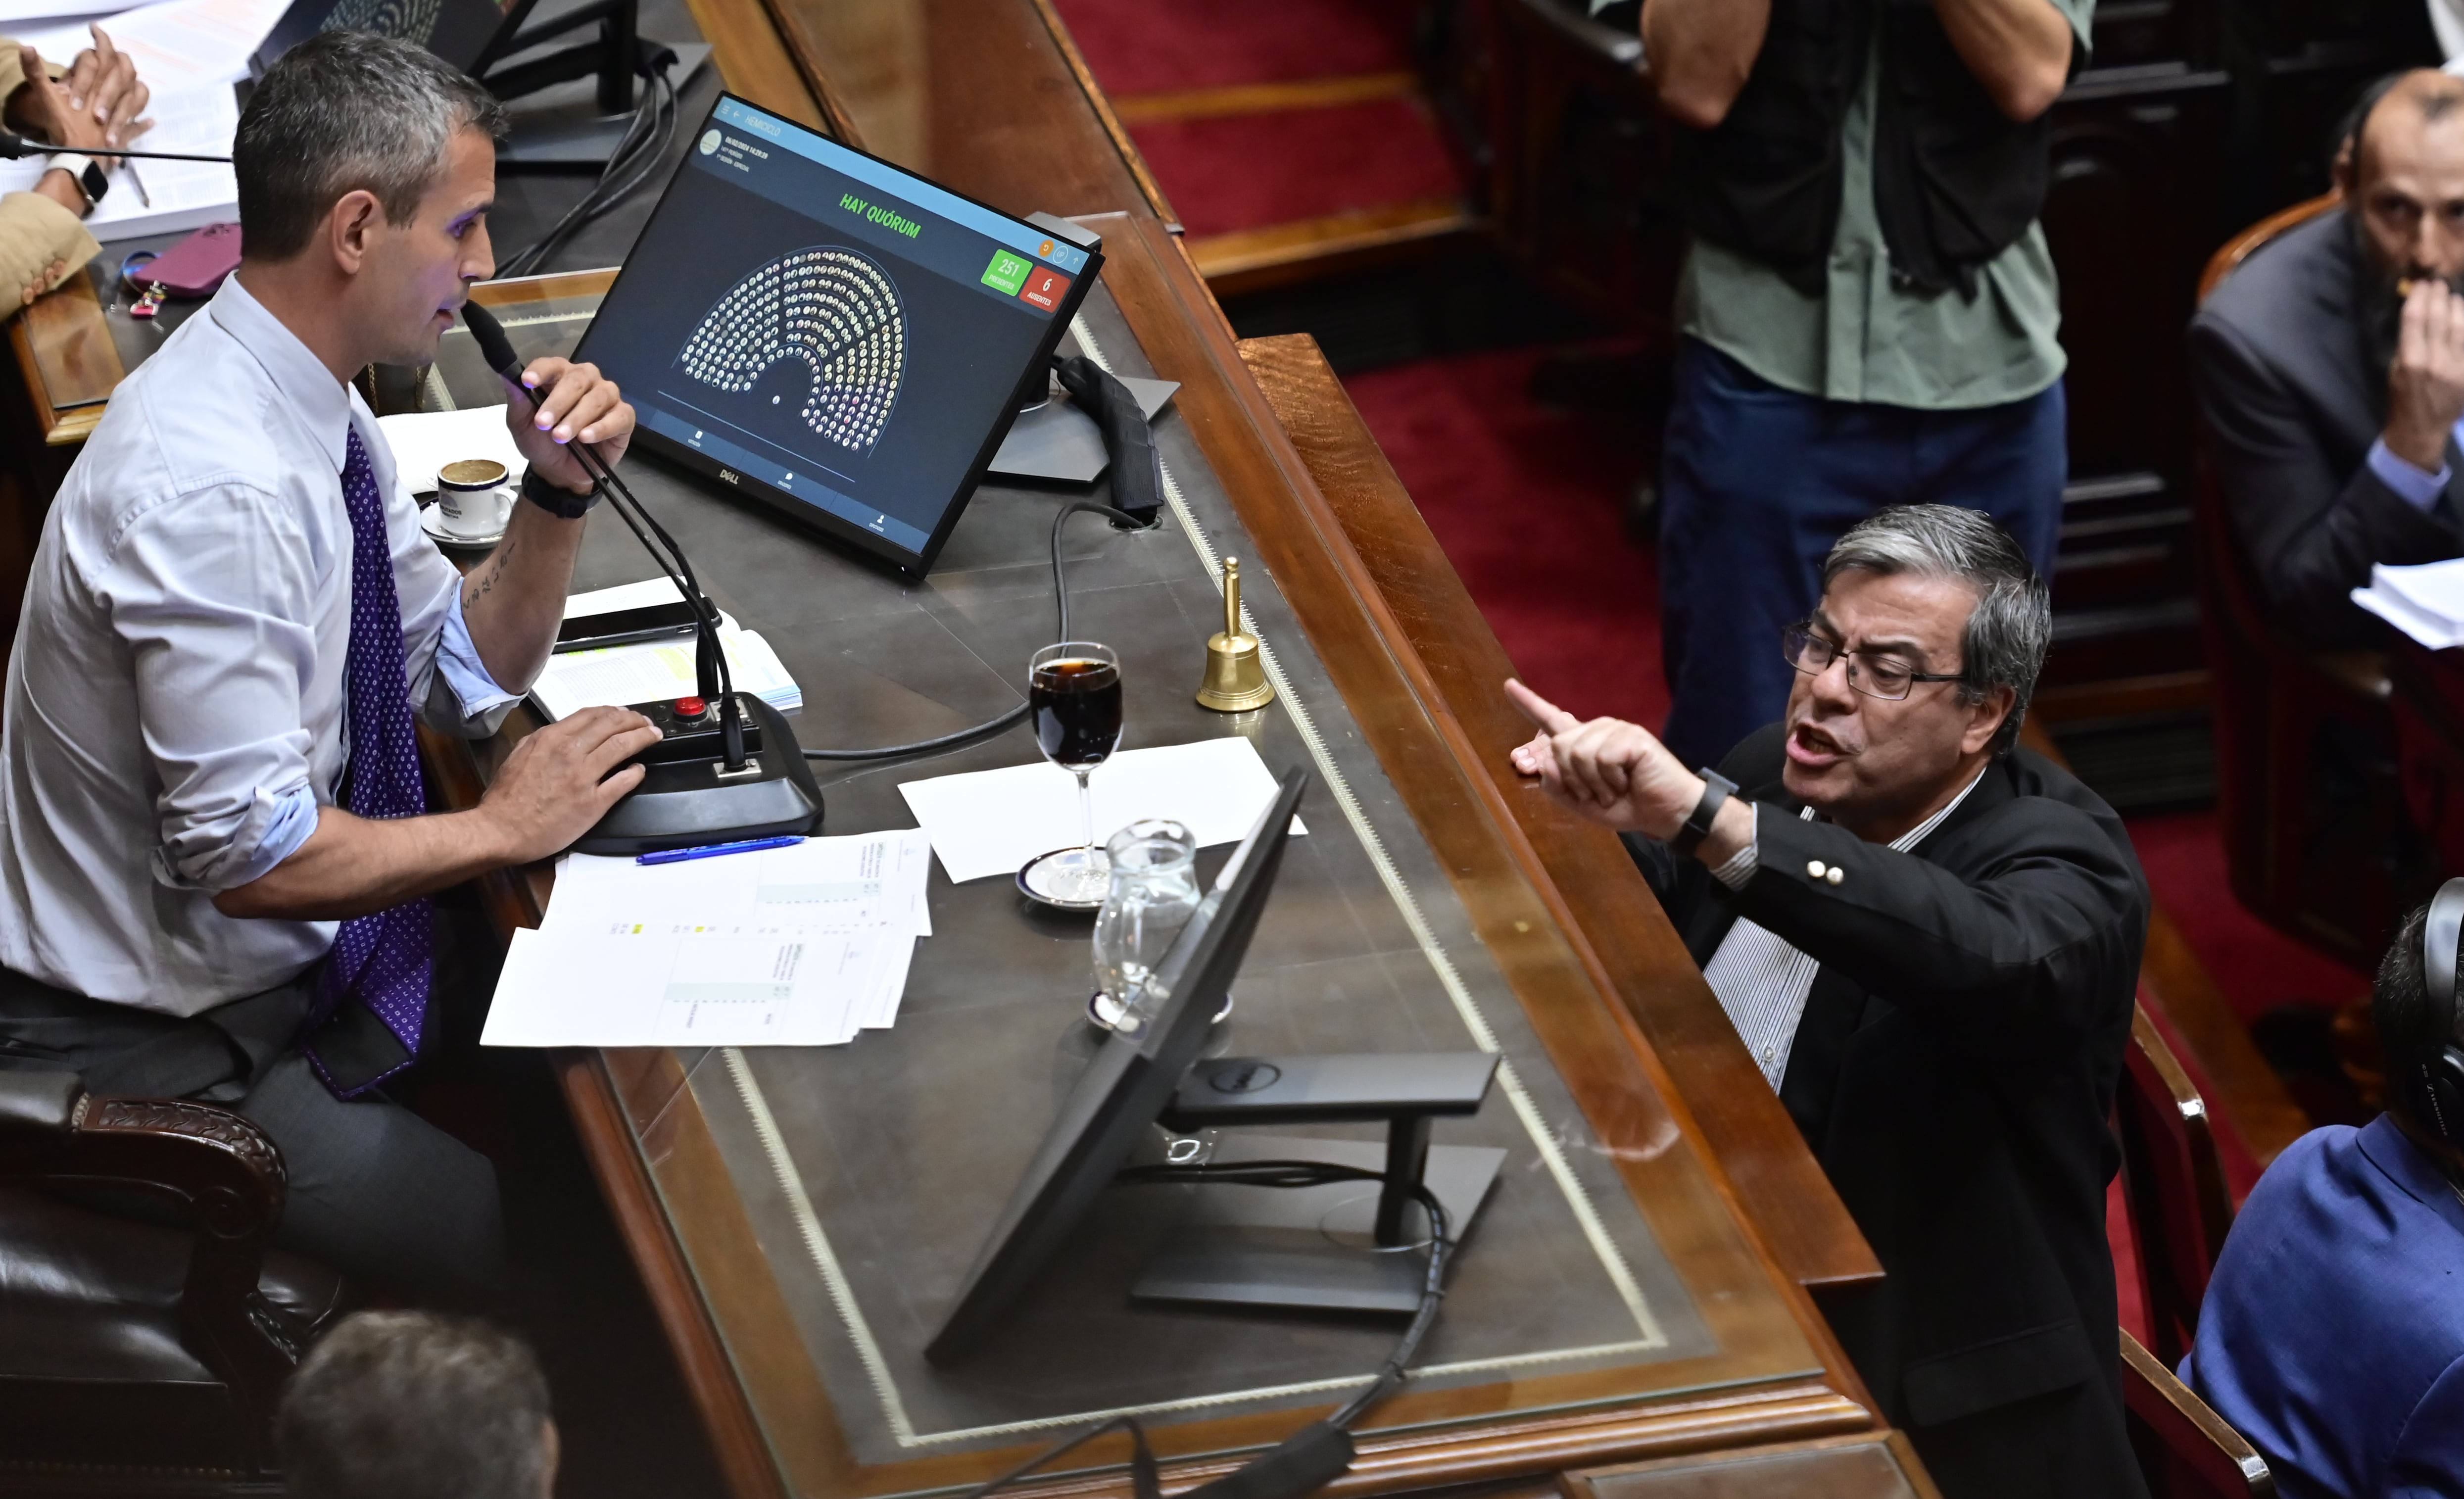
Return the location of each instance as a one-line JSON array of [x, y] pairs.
[[1611, 771], [2425, 383], [102, 86], [556, 785], [558, 401]]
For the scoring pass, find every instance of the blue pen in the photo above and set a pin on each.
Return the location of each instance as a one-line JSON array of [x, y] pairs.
[[712, 850]]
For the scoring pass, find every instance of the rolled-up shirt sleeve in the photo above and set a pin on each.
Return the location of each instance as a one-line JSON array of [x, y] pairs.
[[457, 663], [209, 594]]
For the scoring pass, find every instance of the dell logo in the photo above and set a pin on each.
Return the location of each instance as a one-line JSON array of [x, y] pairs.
[[728, 474]]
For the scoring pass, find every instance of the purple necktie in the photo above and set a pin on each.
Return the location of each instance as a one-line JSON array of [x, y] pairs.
[[380, 961]]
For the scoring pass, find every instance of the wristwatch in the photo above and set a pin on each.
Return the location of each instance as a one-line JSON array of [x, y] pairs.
[[82, 172], [1716, 788], [558, 502]]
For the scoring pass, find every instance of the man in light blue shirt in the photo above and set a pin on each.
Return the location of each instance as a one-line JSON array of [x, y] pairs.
[[2333, 1332], [215, 868]]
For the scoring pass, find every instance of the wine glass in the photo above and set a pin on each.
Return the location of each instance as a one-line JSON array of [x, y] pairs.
[[1073, 695]]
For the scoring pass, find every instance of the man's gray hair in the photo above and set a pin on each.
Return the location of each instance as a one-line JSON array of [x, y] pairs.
[[2005, 641], [414, 1405], [341, 112]]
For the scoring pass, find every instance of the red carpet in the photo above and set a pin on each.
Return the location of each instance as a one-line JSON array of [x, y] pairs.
[[1248, 170], [1528, 504], [1324, 160], [2258, 967], [1151, 47]]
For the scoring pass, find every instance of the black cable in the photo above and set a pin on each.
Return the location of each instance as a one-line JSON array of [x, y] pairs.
[[1390, 1375], [531, 256], [13, 145], [648, 134], [708, 645], [1061, 601]]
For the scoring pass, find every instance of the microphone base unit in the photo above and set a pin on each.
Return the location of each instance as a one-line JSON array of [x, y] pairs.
[[684, 804], [689, 729]]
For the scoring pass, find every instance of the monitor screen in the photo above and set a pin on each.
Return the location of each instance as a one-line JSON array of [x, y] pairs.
[[1125, 1087], [829, 333]]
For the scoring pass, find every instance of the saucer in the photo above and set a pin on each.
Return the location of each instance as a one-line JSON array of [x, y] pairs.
[[1032, 888], [433, 523]]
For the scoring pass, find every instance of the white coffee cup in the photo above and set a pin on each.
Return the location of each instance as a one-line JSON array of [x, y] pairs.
[[474, 496]]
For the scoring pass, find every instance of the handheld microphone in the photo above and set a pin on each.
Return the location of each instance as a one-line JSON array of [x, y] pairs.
[[13, 147], [712, 678], [708, 802]]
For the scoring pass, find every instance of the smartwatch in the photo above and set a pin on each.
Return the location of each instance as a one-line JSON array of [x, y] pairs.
[[82, 172], [1716, 790], [556, 499]]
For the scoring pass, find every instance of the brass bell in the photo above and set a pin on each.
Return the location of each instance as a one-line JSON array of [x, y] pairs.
[[1236, 674]]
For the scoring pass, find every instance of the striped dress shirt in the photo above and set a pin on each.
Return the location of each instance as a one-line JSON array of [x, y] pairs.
[[1763, 983]]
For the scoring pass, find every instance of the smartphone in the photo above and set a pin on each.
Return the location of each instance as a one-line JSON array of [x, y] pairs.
[[625, 626]]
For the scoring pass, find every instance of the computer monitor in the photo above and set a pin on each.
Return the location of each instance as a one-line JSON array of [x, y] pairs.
[[830, 334], [464, 32], [1125, 1087]]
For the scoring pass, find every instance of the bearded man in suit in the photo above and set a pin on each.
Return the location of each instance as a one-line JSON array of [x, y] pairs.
[[1929, 939], [2330, 370]]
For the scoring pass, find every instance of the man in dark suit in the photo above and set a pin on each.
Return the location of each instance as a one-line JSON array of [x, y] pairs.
[[2330, 368], [1929, 940]]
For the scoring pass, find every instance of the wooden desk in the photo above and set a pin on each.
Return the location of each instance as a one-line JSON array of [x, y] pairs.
[[1389, 657], [1549, 917]]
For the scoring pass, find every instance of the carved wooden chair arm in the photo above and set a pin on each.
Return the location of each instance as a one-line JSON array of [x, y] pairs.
[[219, 1170]]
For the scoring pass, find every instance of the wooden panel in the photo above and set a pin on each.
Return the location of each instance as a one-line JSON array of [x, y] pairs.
[[753, 59], [65, 354], [998, 105], [1874, 1466], [1252, 259], [1591, 887], [1265, 98]]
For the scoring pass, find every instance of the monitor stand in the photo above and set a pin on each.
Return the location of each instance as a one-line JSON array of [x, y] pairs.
[[1311, 1247], [1345, 1245]]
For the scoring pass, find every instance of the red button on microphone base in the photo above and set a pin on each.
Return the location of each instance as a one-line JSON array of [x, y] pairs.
[[691, 707]]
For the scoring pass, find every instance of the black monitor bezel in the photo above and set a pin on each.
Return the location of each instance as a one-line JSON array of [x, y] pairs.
[[1046, 1206], [803, 512]]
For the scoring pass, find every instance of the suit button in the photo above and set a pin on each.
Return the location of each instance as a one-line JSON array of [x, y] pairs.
[[1814, 868], [1837, 874]]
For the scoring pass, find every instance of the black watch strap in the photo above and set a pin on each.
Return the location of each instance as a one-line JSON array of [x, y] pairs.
[[557, 500], [1716, 790]]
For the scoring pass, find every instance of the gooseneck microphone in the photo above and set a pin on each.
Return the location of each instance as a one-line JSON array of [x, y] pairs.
[[716, 682], [13, 147]]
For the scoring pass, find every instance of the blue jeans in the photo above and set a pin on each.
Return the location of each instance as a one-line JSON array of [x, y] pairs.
[[1758, 483]]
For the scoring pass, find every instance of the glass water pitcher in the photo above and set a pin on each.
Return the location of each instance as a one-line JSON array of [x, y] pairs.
[[1153, 891]]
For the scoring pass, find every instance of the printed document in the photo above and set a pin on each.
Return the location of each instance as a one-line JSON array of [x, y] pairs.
[[805, 945], [991, 821]]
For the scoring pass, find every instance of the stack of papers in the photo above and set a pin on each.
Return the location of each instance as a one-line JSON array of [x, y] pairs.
[[654, 671], [801, 946], [991, 821], [189, 53], [2426, 601]]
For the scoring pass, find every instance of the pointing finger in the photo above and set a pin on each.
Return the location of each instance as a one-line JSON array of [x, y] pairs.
[[1544, 715]]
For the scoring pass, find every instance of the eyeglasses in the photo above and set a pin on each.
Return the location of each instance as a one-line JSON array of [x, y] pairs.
[[1888, 677]]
